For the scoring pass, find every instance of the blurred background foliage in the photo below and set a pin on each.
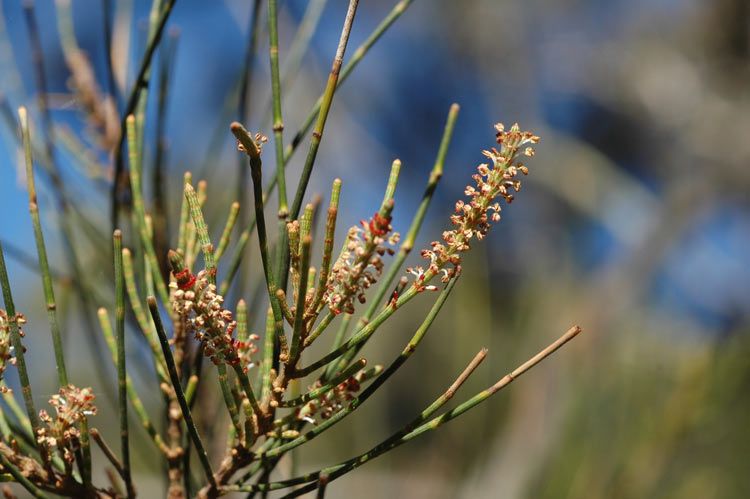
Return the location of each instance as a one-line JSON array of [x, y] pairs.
[[634, 223]]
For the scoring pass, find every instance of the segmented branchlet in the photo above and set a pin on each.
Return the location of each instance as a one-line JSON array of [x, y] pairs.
[[62, 432], [195, 298], [6, 348], [360, 263], [474, 216]]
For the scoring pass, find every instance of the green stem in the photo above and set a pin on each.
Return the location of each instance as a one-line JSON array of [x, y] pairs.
[[416, 224], [291, 148], [325, 107], [367, 392], [179, 394], [20, 478], [49, 293], [234, 210], [333, 472], [141, 82], [298, 332], [139, 209], [278, 124], [313, 394], [18, 348], [135, 400], [121, 365], [253, 152]]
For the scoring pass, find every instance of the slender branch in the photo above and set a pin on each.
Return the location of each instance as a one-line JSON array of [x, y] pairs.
[[139, 209], [278, 124], [108, 452], [234, 210], [291, 148], [324, 109], [18, 348], [49, 292], [135, 400], [121, 365], [362, 397], [141, 82], [416, 224], [20, 478], [179, 394], [253, 152]]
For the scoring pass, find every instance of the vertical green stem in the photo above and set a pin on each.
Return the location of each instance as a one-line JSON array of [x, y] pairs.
[[278, 123], [179, 394], [121, 366], [139, 209], [18, 348], [253, 152], [324, 109], [416, 224], [49, 293], [234, 210], [298, 331]]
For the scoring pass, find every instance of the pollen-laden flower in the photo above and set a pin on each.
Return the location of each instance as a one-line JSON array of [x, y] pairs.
[[196, 299], [6, 348], [360, 263], [72, 405], [333, 401], [474, 216]]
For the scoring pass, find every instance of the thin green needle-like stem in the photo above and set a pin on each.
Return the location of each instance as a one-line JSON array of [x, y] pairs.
[[135, 400], [278, 123], [242, 331], [265, 368], [380, 448], [248, 390], [325, 266], [202, 231], [229, 401], [49, 293], [107, 451], [253, 152], [404, 436], [298, 332], [139, 209], [121, 364], [339, 378], [21, 478], [337, 341], [324, 109], [377, 382], [179, 394], [291, 148], [85, 460], [416, 224], [18, 348], [351, 64], [184, 216], [144, 324], [141, 82], [234, 210]]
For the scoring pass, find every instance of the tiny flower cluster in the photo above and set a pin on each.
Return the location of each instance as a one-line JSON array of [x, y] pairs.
[[333, 401], [473, 217], [6, 347], [195, 298], [71, 405], [259, 138], [360, 263]]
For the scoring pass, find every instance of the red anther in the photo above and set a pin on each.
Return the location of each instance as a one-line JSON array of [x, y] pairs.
[[379, 224], [185, 279]]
